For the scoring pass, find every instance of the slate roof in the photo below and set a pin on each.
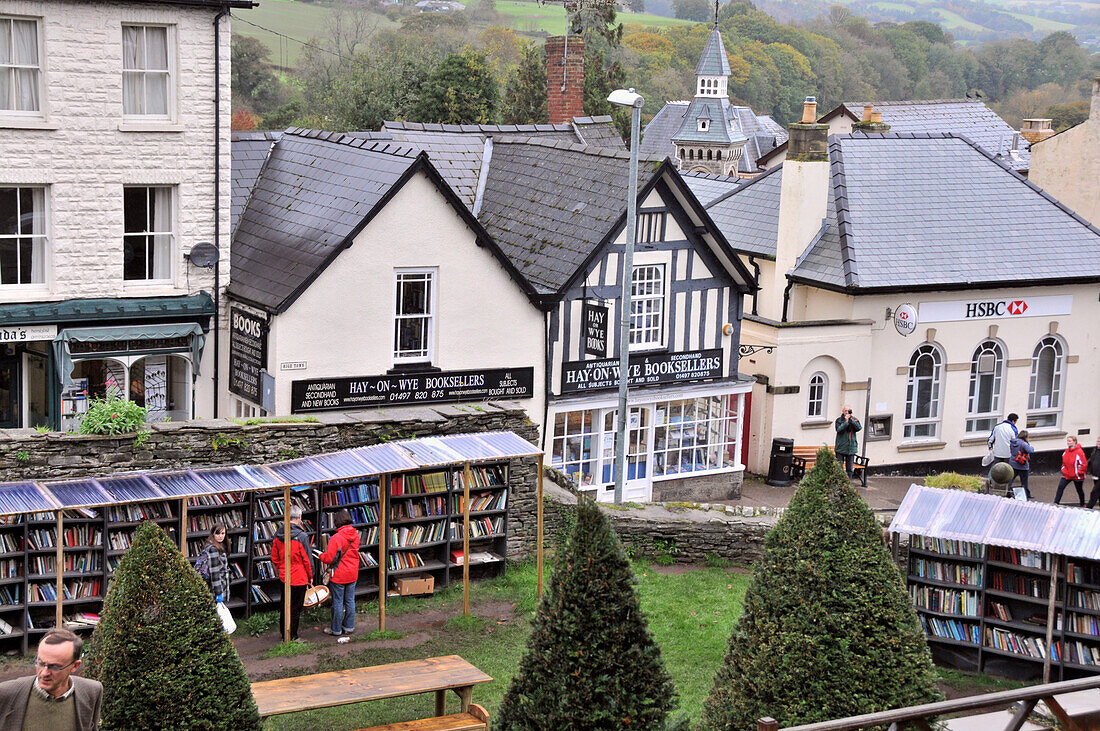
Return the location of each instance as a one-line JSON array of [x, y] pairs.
[[549, 205], [748, 213], [720, 129], [316, 189], [713, 61], [708, 187], [249, 153], [659, 133]]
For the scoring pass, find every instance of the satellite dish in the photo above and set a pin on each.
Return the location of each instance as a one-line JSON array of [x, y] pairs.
[[204, 255]]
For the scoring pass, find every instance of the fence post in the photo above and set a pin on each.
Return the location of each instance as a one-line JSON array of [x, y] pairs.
[[767, 723]]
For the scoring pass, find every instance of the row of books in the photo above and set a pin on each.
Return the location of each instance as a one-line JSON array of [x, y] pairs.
[[418, 508], [1020, 644], [82, 562], [1024, 585], [1082, 654], [945, 601], [1079, 574], [145, 511], [418, 484], [414, 535], [1085, 599], [479, 527], [1020, 557], [948, 545], [216, 499], [361, 514], [10, 543], [403, 560], [75, 621], [78, 589], [234, 544], [367, 560], [206, 521], [50, 516], [1084, 624], [258, 594], [351, 494], [479, 477], [951, 629], [481, 502], [270, 508], [957, 573], [265, 570], [80, 535], [10, 594], [10, 569]]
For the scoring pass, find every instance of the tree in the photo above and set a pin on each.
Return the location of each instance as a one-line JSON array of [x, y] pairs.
[[252, 80], [697, 10], [828, 630], [160, 650], [1064, 116], [525, 95], [462, 90], [590, 662], [243, 119]]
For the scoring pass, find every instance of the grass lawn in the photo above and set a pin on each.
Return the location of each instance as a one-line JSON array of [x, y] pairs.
[[529, 17], [691, 614]]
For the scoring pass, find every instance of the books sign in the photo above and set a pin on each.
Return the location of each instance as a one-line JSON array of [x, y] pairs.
[[595, 329], [598, 375], [905, 319], [362, 392], [247, 353], [1007, 308]]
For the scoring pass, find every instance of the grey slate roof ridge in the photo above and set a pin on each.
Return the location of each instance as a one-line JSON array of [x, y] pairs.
[[488, 128], [389, 147], [839, 189], [572, 147], [813, 242], [742, 186]]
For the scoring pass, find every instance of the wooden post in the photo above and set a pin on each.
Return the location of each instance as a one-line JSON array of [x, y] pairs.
[[767, 724], [286, 564], [184, 531], [538, 529], [383, 545], [59, 569], [1054, 561], [466, 475]]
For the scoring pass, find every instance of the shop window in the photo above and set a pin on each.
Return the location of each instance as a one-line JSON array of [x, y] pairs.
[[986, 378], [20, 67], [637, 444], [647, 306], [22, 235], [817, 396], [149, 233], [695, 435], [160, 384], [573, 452], [414, 311], [650, 227], [1044, 400], [924, 393], [146, 71]]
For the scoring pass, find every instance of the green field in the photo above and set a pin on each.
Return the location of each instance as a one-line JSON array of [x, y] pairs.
[[1049, 26], [951, 20], [531, 17]]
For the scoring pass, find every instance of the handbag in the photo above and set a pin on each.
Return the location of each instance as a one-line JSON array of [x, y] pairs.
[[988, 458], [226, 617], [316, 595]]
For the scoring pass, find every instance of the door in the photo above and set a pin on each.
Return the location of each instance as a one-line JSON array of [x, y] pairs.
[[639, 441], [10, 402]]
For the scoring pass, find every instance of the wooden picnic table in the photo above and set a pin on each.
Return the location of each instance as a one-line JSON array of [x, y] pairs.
[[323, 690]]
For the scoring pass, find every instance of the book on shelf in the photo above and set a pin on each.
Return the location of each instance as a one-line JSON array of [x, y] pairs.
[[1000, 611], [458, 557], [5, 627], [418, 484]]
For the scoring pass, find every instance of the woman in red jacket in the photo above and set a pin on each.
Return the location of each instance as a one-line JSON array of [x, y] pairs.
[[301, 570], [342, 555], [1074, 466]]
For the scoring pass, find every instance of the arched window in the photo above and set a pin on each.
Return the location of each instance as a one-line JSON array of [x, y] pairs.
[[718, 155], [817, 396], [691, 154], [924, 393], [710, 154], [983, 408], [1044, 398]]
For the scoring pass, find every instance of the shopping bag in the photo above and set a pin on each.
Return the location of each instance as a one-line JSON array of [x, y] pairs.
[[988, 458], [227, 618]]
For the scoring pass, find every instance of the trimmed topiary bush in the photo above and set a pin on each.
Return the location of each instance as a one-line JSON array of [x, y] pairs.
[[590, 661], [160, 650], [828, 630]]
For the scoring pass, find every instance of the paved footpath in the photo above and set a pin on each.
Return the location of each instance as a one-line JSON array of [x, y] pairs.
[[885, 493]]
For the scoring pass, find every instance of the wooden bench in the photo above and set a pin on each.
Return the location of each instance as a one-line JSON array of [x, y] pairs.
[[324, 690], [805, 457], [475, 718]]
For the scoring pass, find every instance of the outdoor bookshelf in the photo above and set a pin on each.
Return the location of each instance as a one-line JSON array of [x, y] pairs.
[[1001, 609]]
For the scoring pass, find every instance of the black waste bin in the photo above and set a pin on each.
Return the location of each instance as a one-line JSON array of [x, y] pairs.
[[779, 470]]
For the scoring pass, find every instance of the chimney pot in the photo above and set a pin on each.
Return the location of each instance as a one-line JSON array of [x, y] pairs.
[[1036, 129], [876, 117], [868, 110], [809, 110]]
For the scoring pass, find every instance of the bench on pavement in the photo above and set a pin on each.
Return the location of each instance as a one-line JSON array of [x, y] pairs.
[[475, 718], [805, 458], [341, 687]]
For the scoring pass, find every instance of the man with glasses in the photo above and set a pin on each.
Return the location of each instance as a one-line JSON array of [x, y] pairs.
[[53, 698]]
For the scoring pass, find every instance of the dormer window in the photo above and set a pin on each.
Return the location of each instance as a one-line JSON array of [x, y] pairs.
[[704, 125]]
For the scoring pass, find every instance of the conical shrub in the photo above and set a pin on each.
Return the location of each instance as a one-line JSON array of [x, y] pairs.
[[590, 661], [160, 650], [828, 630]]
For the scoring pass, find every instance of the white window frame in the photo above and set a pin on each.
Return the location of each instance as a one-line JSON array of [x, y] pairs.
[[170, 232], [431, 276], [43, 284], [929, 424], [584, 439], [643, 307], [25, 114], [1051, 414], [721, 427], [170, 73], [817, 397], [977, 421]]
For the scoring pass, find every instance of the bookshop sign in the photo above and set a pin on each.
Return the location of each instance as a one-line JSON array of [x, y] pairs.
[[324, 394], [597, 375], [247, 353]]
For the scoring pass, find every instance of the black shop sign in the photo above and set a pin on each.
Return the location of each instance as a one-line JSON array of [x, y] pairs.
[[247, 353], [645, 369], [595, 318], [323, 394]]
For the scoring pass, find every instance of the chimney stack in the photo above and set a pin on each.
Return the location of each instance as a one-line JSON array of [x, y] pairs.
[[1037, 130], [809, 141], [871, 123], [565, 77], [1094, 110]]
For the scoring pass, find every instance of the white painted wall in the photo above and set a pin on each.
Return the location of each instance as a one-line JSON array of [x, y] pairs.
[[1067, 165], [342, 325], [80, 149]]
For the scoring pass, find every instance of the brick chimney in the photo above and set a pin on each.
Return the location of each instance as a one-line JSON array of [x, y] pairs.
[[565, 77], [1036, 130], [871, 123]]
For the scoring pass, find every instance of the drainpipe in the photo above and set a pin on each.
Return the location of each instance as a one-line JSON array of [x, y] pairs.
[[217, 197], [756, 274], [546, 381], [866, 418], [787, 296]]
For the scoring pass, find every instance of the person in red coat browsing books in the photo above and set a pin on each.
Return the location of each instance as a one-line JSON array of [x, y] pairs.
[[301, 570], [342, 556], [1074, 467]]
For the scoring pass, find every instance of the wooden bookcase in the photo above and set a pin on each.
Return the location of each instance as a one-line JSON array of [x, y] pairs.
[[988, 608]]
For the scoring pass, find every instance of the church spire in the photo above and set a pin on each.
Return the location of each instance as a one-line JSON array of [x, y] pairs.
[[716, 14]]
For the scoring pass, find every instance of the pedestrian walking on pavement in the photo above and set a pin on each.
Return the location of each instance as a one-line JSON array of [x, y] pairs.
[[1000, 441], [1074, 467], [847, 446], [1021, 461], [1094, 470]]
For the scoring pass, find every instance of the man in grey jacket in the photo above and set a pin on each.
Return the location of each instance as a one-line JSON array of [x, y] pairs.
[[1000, 440], [53, 698]]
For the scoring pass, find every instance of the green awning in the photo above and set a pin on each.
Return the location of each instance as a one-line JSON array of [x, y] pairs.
[[100, 310], [64, 356]]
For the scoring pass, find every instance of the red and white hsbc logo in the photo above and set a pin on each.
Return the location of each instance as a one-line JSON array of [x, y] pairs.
[[992, 309]]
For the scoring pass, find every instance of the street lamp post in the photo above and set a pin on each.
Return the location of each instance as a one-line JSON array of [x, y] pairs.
[[627, 98]]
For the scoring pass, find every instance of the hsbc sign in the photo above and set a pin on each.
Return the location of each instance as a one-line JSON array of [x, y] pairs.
[[996, 309]]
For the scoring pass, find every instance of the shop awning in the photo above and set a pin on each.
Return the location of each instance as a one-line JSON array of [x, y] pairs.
[[124, 333], [98, 311]]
